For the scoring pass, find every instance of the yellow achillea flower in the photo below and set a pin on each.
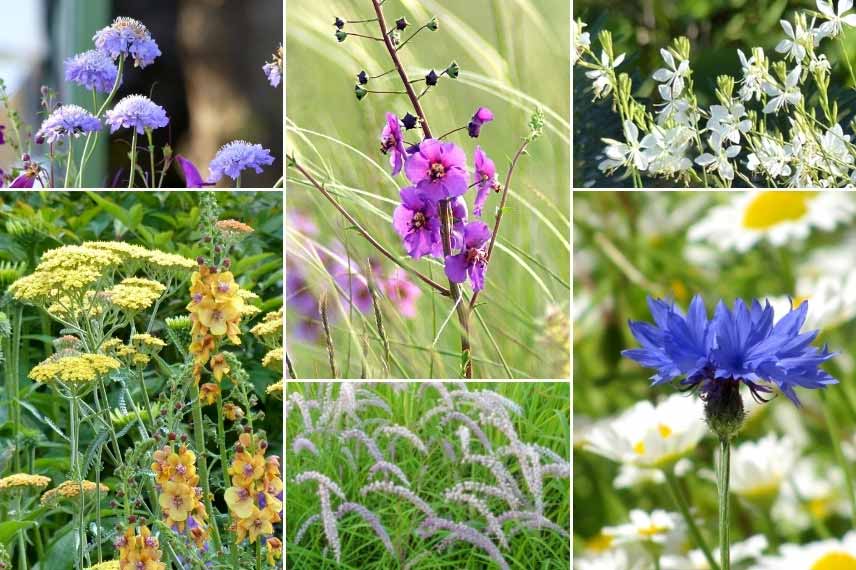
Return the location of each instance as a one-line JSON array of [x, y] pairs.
[[42, 285], [274, 389], [269, 330], [273, 359], [148, 341], [75, 369], [179, 492], [139, 550], [158, 260], [69, 490], [252, 498], [135, 293], [106, 565], [233, 227], [24, 480]]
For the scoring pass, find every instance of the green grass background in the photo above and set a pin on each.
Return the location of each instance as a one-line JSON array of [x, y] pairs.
[[545, 420], [514, 57]]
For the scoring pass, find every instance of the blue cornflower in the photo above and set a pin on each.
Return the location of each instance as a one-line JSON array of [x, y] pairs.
[[739, 345], [65, 121], [128, 37], [92, 69], [136, 112], [236, 156]]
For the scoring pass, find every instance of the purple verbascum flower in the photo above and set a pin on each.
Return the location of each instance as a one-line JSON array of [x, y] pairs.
[[458, 206], [438, 169], [192, 178], [417, 223], [136, 112], [2, 137], [237, 156], [67, 121], [484, 177], [93, 70], [402, 292], [481, 117], [392, 143], [472, 260], [128, 37], [738, 346]]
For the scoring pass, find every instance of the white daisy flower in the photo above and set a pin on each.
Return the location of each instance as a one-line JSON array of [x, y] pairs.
[[759, 468], [741, 552], [615, 559], [674, 74], [835, 18], [602, 78], [832, 554], [789, 94], [664, 529], [813, 492], [779, 217], [625, 153], [649, 436]]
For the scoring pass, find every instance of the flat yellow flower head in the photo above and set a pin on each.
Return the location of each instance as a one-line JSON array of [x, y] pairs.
[[70, 490], [74, 370], [19, 480], [135, 294]]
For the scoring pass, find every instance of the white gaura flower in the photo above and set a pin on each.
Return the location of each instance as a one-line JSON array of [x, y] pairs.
[[813, 492], [581, 39], [759, 468], [779, 217], [748, 551], [649, 436], [720, 160], [835, 18], [625, 153], [728, 122], [772, 158], [661, 528], [674, 74], [755, 74], [835, 156], [794, 45], [789, 94], [832, 554], [602, 78], [673, 107], [666, 149]]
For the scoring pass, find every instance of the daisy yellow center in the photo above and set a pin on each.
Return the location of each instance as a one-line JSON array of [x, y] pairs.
[[651, 531], [665, 431], [820, 507], [600, 543], [639, 448], [835, 561], [769, 209]]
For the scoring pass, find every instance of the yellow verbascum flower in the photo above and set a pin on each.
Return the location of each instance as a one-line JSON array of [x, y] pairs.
[[24, 480], [74, 370], [139, 550], [180, 496], [135, 294], [253, 497]]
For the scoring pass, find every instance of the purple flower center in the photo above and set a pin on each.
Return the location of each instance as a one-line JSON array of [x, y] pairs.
[[151, 542], [217, 315], [437, 171], [248, 469], [197, 297], [474, 256], [181, 469], [223, 287], [387, 144], [177, 501]]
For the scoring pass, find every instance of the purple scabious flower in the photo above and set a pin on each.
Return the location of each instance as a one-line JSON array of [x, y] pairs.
[[484, 177], [2, 137], [438, 169], [236, 156], [67, 121], [392, 143], [128, 37], [402, 293], [472, 260], [482, 116], [93, 70], [416, 222], [136, 112], [738, 346]]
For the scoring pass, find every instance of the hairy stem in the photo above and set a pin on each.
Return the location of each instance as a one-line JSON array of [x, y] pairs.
[[722, 484]]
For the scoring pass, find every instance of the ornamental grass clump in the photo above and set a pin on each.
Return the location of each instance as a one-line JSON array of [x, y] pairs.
[[148, 470], [433, 215], [775, 124], [458, 483]]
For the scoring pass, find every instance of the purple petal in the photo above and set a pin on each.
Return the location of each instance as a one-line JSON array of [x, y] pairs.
[[476, 234], [456, 267]]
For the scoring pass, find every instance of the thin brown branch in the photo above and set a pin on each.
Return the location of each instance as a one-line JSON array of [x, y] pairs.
[[320, 187]]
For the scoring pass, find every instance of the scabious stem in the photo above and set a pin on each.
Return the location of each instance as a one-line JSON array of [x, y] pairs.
[[723, 480], [683, 507], [133, 159]]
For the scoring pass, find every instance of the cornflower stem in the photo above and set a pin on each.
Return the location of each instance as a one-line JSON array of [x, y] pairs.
[[199, 437], [92, 138], [68, 161], [133, 158], [834, 436], [318, 186], [444, 210], [364, 36], [501, 210], [723, 480], [683, 507]]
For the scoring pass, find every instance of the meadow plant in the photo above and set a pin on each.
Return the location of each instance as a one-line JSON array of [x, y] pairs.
[[432, 218], [777, 124], [134, 381], [480, 501], [101, 71]]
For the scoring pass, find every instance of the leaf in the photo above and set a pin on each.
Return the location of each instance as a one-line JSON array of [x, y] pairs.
[[9, 529], [44, 419]]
